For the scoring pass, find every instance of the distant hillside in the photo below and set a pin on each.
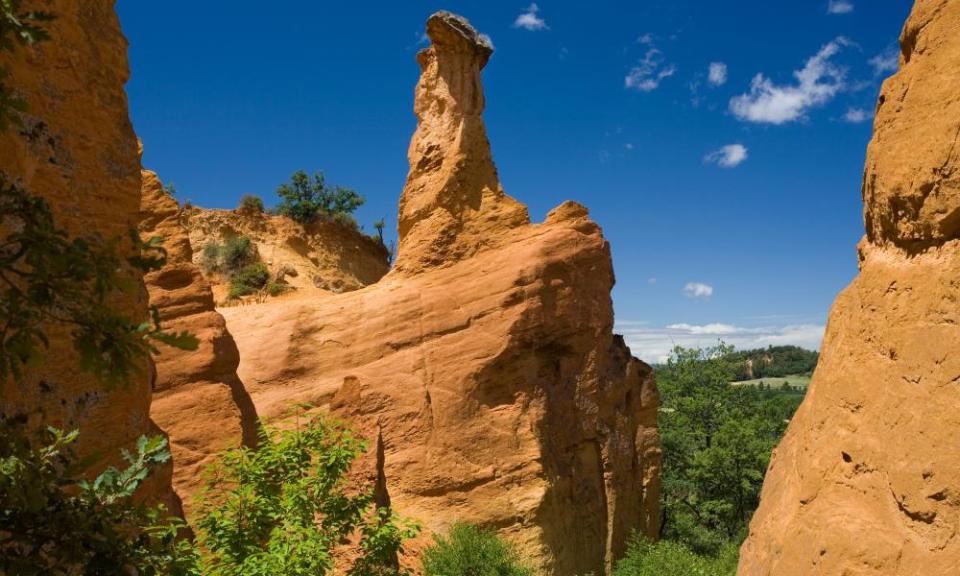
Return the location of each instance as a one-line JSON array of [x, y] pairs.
[[774, 362]]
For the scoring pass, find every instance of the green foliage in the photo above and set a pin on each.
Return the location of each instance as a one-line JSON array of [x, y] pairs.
[[170, 189], [717, 441], [238, 251], [773, 362], [251, 204], [249, 279], [17, 28], [276, 288], [665, 558], [472, 551], [307, 201], [284, 508], [55, 523], [47, 277]]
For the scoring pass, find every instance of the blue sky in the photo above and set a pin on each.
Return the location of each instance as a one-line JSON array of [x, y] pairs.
[[719, 144]]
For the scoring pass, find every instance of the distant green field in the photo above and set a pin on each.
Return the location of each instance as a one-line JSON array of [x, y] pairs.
[[801, 381]]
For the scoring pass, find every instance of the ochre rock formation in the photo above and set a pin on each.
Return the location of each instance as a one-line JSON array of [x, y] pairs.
[[198, 398], [77, 149], [867, 479], [324, 255], [453, 204], [485, 367]]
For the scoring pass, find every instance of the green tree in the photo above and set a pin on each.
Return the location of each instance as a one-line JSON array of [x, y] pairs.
[[307, 201], [285, 507], [717, 441], [472, 551]]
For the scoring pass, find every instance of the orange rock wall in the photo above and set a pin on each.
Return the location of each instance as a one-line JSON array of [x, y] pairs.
[[198, 398], [77, 149], [867, 479]]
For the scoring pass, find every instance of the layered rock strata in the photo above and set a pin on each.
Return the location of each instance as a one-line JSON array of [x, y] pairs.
[[867, 479]]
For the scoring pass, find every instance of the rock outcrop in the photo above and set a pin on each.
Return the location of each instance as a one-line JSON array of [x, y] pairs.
[[867, 479], [77, 149], [197, 398], [484, 367], [327, 256], [453, 204]]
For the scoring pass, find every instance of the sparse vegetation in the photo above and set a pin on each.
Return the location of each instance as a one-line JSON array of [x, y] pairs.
[[472, 551], [251, 204], [287, 507], [170, 189], [251, 278], [307, 201]]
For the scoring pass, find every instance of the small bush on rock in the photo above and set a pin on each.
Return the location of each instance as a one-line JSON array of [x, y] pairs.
[[251, 204], [249, 279], [307, 201], [472, 551]]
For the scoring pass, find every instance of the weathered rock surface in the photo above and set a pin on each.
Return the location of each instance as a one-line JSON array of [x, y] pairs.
[[77, 149], [485, 367], [197, 398], [452, 205], [867, 479], [325, 255]]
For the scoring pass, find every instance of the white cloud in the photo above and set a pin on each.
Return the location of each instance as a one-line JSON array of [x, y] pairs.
[[718, 73], [529, 20], [653, 344], [649, 72], [651, 280], [645, 39], [839, 7], [817, 83], [728, 156], [885, 62], [697, 290], [856, 115]]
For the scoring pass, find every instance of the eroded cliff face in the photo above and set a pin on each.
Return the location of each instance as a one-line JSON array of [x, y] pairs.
[[867, 479], [324, 256], [197, 397], [78, 151], [484, 368]]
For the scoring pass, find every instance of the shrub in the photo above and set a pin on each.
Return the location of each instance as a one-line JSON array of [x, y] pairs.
[[237, 252], [251, 204], [666, 558], [472, 551], [285, 507], [55, 523], [248, 280], [210, 257], [306, 200], [276, 288]]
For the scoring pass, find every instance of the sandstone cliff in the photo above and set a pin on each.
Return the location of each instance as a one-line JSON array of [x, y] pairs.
[[197, 398], [867, 479], [77, 149], [485, 366], [324, 255]]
